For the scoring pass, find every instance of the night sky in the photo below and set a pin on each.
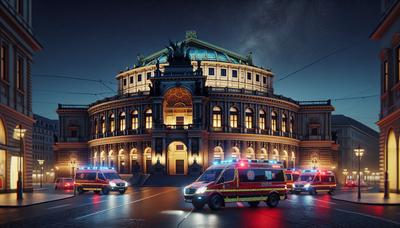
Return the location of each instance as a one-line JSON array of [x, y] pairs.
[[97, 39]]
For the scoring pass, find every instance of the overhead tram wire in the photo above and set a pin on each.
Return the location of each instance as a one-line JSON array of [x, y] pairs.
[[355, 98], [72, 92], [102, 82]]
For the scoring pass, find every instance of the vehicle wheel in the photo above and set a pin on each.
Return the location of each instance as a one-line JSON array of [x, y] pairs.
[[96, 192], [215, 202], [253, 203], [105, 191], [313, 191], [122, 191], [80, 190], [198, 205], [273, 200]]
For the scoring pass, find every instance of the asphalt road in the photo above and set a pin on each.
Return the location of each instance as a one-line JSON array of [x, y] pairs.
[[164, 207]]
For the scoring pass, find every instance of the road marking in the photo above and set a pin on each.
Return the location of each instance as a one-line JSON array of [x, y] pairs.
[[59, 206], [369, 216], [184, 218], [132, 202]]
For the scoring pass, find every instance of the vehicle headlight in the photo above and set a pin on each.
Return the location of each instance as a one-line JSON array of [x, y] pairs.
[[307, 185], [294, 185], [201, 190], [184, 190], [112, 184], [126, 184]]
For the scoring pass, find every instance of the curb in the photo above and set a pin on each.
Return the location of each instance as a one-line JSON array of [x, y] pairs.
[[366, 203], [28, 205]]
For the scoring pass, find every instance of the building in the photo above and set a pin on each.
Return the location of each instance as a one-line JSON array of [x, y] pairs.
[[17, 46], [45, 133], [184, 107], [350, 134], [388, 34]]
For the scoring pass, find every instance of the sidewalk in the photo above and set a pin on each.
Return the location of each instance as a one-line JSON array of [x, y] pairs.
[[38, 196], [371, 198]]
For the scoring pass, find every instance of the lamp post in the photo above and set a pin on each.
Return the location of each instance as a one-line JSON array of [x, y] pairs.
[[359, 153], [19, 134], [41, 162]]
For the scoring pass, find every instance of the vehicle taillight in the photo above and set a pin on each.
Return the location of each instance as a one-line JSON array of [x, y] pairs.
[[241, 164]]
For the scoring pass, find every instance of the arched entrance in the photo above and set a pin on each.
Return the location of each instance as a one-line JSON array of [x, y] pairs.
[[177, 158], [275, 155], [178, 108], [235, 153], [218, 154], [147, 160], [391, 160], [103, 161], [122, 162], [250, 153], [3, 141], [135, 166], [285, 159]]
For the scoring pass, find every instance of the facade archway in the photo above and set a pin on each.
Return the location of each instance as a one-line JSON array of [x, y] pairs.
[[95, 158], [178, 107], [134, 161], [103, 158], [263, 154], [147, 162], [275, 155], [284, 159], [218, 154], [391, 160], [111, 158], [235, 153], [3, 141], [177, 158], [250, 153], [292, 163], [122, 162]]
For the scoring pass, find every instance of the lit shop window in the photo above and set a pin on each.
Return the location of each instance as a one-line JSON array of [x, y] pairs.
[[284, 119], [112, 122], [262, 120], [274, 119], [135, 120], [149, 119], [103, 125]]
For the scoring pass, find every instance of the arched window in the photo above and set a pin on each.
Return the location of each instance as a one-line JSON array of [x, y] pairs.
[[112, 122], [122, 122], [261, 121], [249, 118], [274, 120], [291, 124], [284, 120], [149, 119], [103, 125], [233, 117], [96, 127], [135, 120], [217, 117]]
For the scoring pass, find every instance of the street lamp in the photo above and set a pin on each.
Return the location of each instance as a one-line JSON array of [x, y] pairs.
[[359, 153], [41, 162], [19, 134]]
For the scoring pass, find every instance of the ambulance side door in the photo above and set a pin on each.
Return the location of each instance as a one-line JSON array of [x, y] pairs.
[[229, 183]]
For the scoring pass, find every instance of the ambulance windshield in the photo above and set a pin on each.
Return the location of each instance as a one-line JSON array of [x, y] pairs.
[[307, 178], [210, 175]]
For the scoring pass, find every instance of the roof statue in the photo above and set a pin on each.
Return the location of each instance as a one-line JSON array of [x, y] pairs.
[[178, 53]]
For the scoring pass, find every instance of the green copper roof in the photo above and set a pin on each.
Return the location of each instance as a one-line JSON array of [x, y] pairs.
[[199, 50]]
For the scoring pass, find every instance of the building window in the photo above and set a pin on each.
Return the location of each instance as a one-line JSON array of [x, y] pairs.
[[264, 80], [112, 122], [122, 122], [217, 117], [211, 71], [96, 127], [234, 73], [134, 120], [20, 73], [249, 118], [249, 76], [149, 119], [274, 120], [223, 72], [284, 120], [148, 75], [385, 76], [131, 79], [3, 61], [124, 81], [103, 125], [139, 78], [262, 120], [257, 77], [233, 117], [291, 124]]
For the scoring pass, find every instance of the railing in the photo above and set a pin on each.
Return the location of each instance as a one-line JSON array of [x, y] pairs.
[[312, 103], [72, 106]]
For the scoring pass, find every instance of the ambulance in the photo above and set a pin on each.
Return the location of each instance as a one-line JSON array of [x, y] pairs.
[[250, 181], [99, 180], [292, 175], [314, 181]]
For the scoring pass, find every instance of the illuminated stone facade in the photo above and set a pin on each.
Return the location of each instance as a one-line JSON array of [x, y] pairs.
[[177, 113]]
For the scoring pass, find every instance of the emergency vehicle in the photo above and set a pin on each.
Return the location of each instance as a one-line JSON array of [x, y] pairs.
[[292, 175], [313, 181], [250, 181], [99, 179]]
